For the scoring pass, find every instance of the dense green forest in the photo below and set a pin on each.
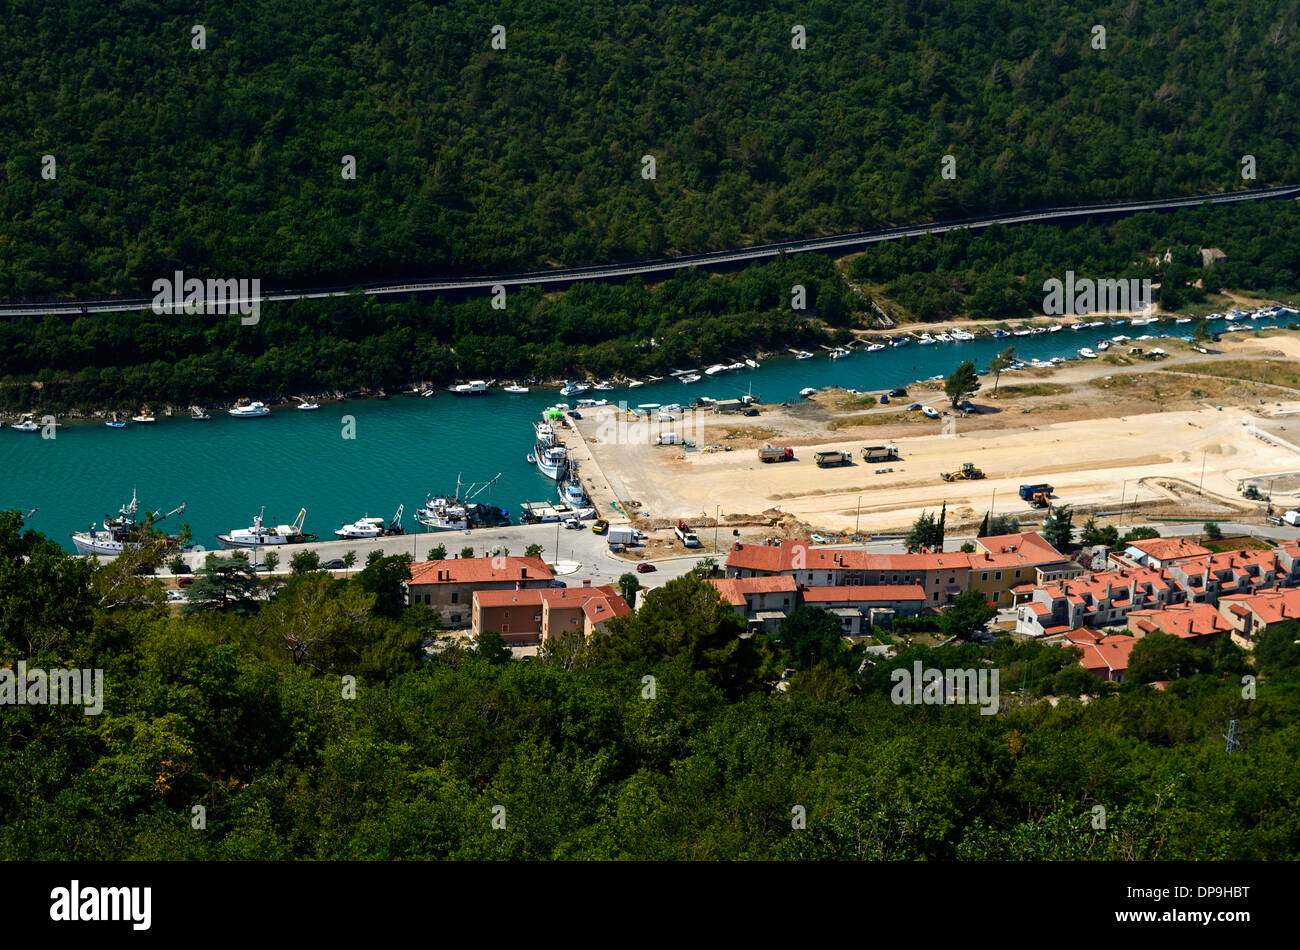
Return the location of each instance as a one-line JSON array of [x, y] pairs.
[[245, 711], [348, 344], [226, 161]]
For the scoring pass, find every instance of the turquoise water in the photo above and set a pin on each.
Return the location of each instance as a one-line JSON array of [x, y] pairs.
[[405, 447]]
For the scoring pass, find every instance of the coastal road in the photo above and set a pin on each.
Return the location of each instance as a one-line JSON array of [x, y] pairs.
[[840, 243]]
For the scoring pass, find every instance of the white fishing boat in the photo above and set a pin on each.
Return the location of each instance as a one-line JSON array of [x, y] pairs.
[[1087, 354], [198, 415], [122, 532], [254, 410], [145, 418], [475, 387], [515, 389], [1055, 328], [839, 353], [803, 355], [1103, 345], [551, 460], [1023, 331], [1141, 321], [258, 535], [1235, 327], [875, 347], [459, 511], [689, 378], [573, 389], [735, 366], [603, 386], [26, 424]]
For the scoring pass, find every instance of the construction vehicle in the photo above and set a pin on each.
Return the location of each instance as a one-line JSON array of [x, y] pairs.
[[1029, 492], [686, 535], [879, 453], [1041, 499], [770, 454], [1252, 492], [831, 459], [967, 472]]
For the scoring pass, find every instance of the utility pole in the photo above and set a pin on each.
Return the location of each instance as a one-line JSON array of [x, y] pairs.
[[717, 509], [1234, 743], [1201, 489], [1122, 489], [858, 517]]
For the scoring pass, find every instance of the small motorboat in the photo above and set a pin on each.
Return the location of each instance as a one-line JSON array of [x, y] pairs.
[[116, 425], [145, 418], [925, 340], [807, 391], [532, 459], [307, 406], [603, 386], [198, 415], [839, 353], [518, 389], [875, 347], [803, 355], [930, 411], [690, 378]]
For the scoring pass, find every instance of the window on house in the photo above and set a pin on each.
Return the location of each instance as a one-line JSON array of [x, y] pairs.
[[505, 628], [984, 576], [828, 578], [997, 576], [1017, 573], [455, 597], [428, 598], [455, 618], [785, 602]]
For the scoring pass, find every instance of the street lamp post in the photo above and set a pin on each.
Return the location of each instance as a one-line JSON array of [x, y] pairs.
[[1122, 489], [1201, 489], [717, 509], [858, 517]]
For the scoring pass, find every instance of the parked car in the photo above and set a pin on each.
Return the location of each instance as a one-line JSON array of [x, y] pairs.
[[183, 569], [750, 412], [184, 581], [572, 523], [645, 567], [899, 392], [175, 595], [334, 564], [914, 407], [574, 414], [884, 399]]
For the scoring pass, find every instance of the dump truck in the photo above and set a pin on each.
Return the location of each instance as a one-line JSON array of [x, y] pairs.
[[831, 459], [770, 454], [879, 453], [1027, 492], [686, 535], [966, 472]]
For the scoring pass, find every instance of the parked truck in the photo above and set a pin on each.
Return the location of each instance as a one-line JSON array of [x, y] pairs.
[[771, 454], [879, 453], [831, 459], [1027, 492], [686, 535], [623, 536]]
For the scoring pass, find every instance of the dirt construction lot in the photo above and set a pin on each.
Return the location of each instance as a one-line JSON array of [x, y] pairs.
[[1101, 432]]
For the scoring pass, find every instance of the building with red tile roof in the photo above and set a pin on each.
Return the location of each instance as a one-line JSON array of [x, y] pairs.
[[534, 615], [1250, 615], [1103, 599], [1157, 552], [1105, 657], [1003, 562], [1199, 624], [942, 575], [449, 585]]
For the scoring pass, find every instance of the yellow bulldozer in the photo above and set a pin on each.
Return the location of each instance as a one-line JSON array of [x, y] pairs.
[[967, 472]]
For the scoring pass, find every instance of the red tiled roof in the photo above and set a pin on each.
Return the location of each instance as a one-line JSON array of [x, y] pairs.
[[864, 593], [1162, 549], [1184, 620], [599, 603], [1270, 606], [734, 589], [1024, 549], [479, 570], [774, 559], [1110, 653]]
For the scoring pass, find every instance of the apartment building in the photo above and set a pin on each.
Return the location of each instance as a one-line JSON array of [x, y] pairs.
[[449, 585], [1003, 562], [530, 616]]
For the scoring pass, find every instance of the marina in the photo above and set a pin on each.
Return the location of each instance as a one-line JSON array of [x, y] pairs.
[[406, 447]]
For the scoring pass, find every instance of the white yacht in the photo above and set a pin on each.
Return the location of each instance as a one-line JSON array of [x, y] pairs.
[[515, 389], [690, 378], [875, 347], [715, 370], [962, 335], [308, 406], [372, 527], [603, 386], [475, 387], [803, 355], [1087, 354], [254, 410], [925, 340], [28, 424], [943, 337], [573, 389], [259, 535], [839, 353]]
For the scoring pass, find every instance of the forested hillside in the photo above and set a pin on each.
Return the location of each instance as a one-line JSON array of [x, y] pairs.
[[226, 161], [245, 713]]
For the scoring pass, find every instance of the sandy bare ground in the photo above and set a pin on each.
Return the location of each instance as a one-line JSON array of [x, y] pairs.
[[1099, 441]]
